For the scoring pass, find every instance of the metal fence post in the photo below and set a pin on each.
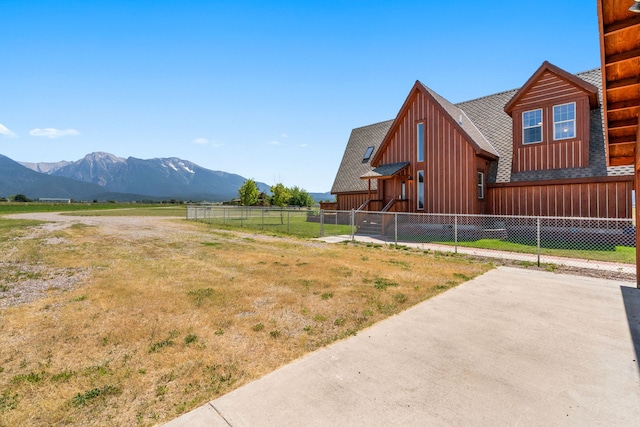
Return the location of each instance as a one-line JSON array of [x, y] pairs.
[[395, 226], [352, 221], [538, 240], [263, 219], [455, 233], [321, 222], [288, 221]]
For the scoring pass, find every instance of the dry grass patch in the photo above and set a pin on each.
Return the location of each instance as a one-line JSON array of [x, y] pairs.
[[171, 318]]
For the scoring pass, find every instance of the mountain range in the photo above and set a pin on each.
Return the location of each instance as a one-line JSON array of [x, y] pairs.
[[103, 176]]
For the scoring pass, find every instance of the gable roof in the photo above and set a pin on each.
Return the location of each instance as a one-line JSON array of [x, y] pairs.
[[547, 66], [352, 166], [455, 115], [460, 117]]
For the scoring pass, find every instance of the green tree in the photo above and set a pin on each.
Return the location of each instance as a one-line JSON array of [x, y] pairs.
[[300, 197], [280, 196], [21, 198], [248, 193]]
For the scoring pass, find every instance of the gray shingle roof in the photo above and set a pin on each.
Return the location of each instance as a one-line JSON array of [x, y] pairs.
[[463, 120], [388, 169], [489, 117], [352, 167]]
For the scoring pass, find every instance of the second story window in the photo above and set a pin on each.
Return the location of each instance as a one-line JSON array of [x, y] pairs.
[[532, 126], [420, 141], [564, 121]]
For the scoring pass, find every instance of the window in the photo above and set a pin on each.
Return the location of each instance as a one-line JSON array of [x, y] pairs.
[[367, 154], [564, 121], [420, 139], [480, 185], [532, 126], [420, 190]]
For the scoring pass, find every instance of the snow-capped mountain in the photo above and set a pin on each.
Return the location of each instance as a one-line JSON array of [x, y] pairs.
[[164, 177]]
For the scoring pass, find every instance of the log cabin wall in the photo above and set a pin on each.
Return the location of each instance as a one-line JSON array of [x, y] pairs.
[[549, 91], [605, 199], [449, 164]]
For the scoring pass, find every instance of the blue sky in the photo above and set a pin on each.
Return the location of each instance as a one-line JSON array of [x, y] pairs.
[[267, 90]]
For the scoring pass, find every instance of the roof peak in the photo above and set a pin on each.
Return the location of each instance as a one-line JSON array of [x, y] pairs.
[[515, 89], [547, 67]]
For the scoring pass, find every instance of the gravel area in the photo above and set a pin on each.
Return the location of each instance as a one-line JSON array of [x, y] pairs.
[[22, 283], [25, 282]]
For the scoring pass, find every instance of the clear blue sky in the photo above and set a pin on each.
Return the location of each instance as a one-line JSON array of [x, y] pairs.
[[269, 90]]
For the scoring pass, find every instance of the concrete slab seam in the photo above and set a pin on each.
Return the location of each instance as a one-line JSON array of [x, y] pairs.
[[220, 413]]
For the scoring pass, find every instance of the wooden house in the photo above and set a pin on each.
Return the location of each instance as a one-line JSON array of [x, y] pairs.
[[536, 150]]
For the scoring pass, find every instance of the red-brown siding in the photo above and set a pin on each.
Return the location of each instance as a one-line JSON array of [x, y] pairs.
[[450, 160], [348, 201], [607, 199], [548, 91]]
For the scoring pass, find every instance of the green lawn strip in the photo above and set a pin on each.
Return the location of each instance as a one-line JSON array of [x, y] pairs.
[[295, 224], [13, 208], [94, 208], [622, 254]]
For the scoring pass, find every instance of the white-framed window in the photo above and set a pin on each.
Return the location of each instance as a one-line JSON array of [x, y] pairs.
[[480, 185], [420, 141], [420, 188], [532, 126], [564, 121]]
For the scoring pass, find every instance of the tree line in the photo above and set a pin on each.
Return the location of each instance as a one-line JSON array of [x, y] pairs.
[[281, 196]]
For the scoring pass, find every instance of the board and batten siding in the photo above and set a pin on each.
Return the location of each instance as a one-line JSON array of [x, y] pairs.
[[348, 201], [608, 199], [449, 159], [551, 90]]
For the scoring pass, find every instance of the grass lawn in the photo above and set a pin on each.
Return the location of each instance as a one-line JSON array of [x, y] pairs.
[[623, 254], [162, 318], [285, 222], [93, 208]]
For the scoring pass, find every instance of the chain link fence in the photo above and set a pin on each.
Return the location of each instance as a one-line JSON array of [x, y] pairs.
[[302, 222], [600, 243]]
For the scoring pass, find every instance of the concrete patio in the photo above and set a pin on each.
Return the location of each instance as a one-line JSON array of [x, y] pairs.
[[511, 347]]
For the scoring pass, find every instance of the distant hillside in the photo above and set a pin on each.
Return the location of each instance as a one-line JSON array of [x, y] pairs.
[[17, 179], [163, 177], [322, 197]]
